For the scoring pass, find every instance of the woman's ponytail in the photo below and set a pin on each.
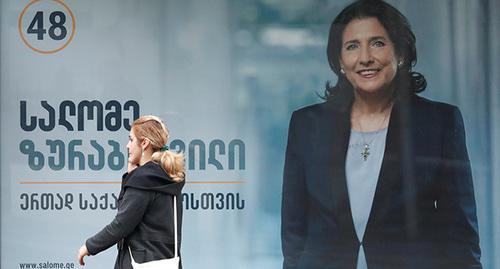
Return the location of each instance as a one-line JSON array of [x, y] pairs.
[[152, 128], [172, 163]]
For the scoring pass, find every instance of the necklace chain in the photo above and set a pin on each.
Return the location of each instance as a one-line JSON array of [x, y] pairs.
[[366, 145]]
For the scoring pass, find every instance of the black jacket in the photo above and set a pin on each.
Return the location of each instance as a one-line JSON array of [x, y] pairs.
[[423, 214], [145, 218]]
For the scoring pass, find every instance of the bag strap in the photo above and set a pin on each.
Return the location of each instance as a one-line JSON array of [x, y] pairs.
[[175, 233], [175, 227]]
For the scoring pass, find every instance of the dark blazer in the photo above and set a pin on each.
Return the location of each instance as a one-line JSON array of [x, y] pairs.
[[423, 213], [144, 220]]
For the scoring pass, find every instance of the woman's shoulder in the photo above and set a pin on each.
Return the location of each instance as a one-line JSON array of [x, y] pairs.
[[146, 170], [313, 110], [149, 176], [429, 107]]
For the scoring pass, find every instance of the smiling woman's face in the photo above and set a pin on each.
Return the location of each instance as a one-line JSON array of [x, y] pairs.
[[368, 57]]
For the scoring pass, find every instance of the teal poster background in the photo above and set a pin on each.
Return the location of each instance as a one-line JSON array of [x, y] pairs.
[[225, 77]]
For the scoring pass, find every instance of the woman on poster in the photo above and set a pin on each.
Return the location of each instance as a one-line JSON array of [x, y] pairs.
[[377, 176]]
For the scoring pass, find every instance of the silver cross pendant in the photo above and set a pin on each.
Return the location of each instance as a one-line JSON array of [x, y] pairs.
[[366, 152]]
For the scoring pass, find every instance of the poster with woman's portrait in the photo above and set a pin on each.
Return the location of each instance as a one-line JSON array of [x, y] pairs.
[[314, 135]]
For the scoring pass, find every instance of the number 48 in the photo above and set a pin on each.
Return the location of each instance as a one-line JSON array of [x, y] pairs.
[[36, 25]]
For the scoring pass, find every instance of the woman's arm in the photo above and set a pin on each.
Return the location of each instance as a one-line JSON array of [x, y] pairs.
[[294, 201], [456, 204], [130, 212]]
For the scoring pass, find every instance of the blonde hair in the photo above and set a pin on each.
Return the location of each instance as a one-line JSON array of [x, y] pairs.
[[152, 128]]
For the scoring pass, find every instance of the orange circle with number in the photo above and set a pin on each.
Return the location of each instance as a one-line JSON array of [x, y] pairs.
[[20, 22]]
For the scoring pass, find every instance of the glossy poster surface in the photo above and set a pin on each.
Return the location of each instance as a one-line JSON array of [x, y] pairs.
[[225, 76]]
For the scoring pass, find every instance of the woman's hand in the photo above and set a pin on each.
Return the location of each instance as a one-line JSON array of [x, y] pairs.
[[131, 167], [82, 253]]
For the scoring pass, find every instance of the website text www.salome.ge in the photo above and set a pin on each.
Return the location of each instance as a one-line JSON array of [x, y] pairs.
[[47, 265]]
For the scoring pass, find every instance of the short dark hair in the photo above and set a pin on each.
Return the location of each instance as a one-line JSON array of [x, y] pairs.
[[399, 31]]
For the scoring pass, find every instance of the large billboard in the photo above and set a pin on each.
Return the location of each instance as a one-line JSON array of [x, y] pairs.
[[225, 77]]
